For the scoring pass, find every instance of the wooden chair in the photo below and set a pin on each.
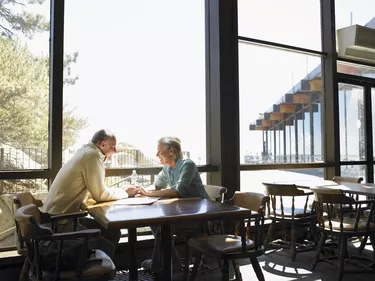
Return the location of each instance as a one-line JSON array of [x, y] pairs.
[[340, 179], [233, 247], [332, 219], [215, 192], [97, 267], [347, 179], [26, 198], [289, 216]]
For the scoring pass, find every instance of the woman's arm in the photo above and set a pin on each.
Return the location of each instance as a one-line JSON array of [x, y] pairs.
[[160, 193]]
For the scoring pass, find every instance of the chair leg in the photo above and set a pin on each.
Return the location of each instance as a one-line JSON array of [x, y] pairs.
[[319, 250], [294, 240], [237, 272], [24, 276], [197, 264], [343, 252], [372, 240], [257, 268], [269, 235], [225, 271], [186, 262], [363, 244]]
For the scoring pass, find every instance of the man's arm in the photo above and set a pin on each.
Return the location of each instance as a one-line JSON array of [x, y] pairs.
[[94, 173]]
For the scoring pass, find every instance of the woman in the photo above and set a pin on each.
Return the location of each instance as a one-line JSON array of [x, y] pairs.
[[181, 175], [183, 178]]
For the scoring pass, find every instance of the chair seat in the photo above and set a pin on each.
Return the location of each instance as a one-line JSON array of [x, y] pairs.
[[348, 224], [298, 212], [219, 244], [98, 264]]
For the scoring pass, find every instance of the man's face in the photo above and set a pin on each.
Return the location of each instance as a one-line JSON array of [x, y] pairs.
[[108, 147]]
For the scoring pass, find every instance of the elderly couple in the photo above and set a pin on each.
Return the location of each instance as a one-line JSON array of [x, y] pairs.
[[84, 173]]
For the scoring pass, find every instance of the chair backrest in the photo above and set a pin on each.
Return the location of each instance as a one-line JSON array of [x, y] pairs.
[[215, 192], [278, 192], [23, 199], [332, 205], [28, 219], [282, 189], [347, 179], [20, 200], [255, 202], [339, 179]]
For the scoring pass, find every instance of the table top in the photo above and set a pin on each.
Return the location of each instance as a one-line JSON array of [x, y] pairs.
[[355, 188], [164, 211]]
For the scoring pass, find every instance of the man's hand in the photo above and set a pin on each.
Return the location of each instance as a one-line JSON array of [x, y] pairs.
[[133, 190]]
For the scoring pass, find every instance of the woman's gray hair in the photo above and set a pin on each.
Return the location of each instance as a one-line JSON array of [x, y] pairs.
[[102, 135], [172, 142]]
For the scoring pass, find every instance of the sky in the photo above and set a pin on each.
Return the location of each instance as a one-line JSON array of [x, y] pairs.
[[141, 64]]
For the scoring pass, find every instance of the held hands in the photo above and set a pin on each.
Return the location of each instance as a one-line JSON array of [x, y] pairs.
[[132, 190], [144, 191]]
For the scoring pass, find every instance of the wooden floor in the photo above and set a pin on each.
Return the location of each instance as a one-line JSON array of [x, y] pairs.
[[276, 265]]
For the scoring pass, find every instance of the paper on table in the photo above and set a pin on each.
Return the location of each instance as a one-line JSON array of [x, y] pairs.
[[136, 201]]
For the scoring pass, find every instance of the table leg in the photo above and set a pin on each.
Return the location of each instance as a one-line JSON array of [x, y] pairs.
[[166, 241], [133, 266]]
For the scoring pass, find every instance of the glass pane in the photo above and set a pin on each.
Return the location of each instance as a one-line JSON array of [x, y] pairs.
[[352, 129], [24, 84], [356, 69], [252, 180], [39, 189], [373, 117], [354, 22], [290, 22], [354, 171], [138, 75], [280, 106]]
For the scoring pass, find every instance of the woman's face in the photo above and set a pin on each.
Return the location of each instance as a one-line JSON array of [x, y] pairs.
[[164, 154]]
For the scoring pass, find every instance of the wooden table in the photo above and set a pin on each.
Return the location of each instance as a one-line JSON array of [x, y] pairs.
[[367, 189], [165, 213]]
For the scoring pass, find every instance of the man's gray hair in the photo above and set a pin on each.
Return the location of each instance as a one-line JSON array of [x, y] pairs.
[[102, 135], [172, 142]]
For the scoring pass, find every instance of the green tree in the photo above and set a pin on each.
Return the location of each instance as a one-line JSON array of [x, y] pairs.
[[24, 99], [15, 18]]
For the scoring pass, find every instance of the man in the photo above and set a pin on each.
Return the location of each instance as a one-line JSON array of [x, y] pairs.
[[83, 173]]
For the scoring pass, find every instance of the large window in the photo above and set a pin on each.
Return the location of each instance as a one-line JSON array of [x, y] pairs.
[[290, 22], [24, 85], [24, 103], [141, 73], [352, 128], [280, 106]]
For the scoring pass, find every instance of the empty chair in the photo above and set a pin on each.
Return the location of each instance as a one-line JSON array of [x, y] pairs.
[[232, 247], [347, 179], [340, 179], [332, 219], [285, 211], [216, 192], [90, 265]]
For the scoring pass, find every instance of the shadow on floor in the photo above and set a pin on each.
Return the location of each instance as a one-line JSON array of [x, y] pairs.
[[276, 265]]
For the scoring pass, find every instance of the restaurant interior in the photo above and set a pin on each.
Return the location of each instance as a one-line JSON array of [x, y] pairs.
[[289, 169]]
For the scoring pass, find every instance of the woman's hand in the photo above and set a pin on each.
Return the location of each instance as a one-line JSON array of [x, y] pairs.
[[144, 191], [132, 190]]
